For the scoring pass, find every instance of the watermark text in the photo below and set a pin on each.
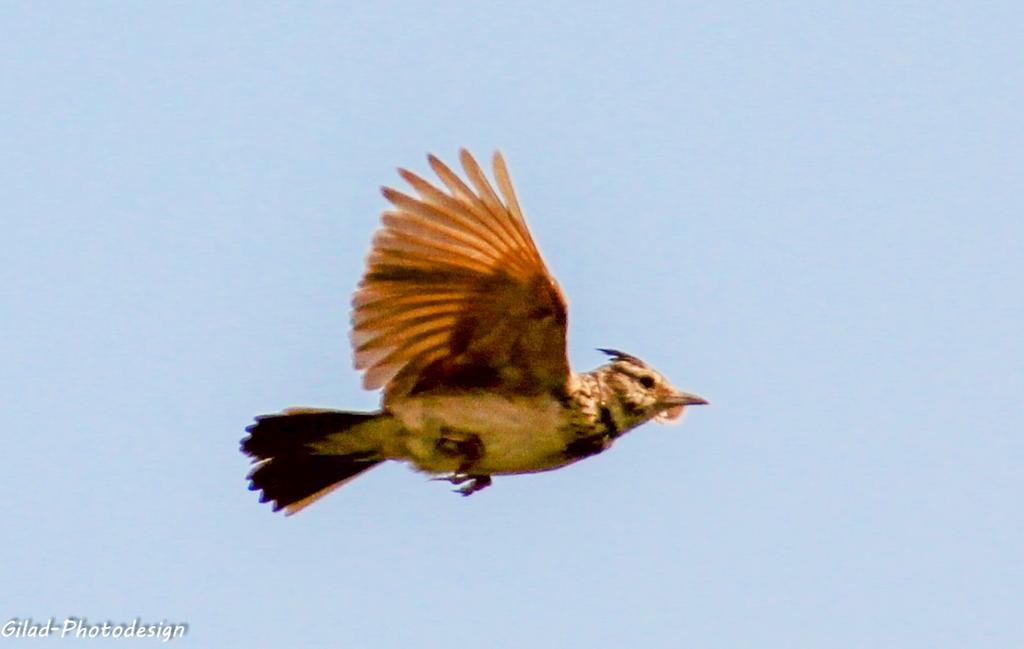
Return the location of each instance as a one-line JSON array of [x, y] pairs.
[[80, 627]]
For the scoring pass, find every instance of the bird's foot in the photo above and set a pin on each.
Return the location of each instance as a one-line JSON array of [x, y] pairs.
[[476, 483], [454, 478], [469, 449]]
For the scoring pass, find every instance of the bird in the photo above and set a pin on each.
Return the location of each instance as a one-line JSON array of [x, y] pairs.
[[458, 321]]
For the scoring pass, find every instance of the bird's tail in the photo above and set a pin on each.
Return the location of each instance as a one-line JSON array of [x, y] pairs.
[[303, 454]]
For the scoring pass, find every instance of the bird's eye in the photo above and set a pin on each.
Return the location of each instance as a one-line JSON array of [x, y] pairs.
[[647, 382]]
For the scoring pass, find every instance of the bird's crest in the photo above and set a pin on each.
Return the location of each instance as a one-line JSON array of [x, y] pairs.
[[622, 356]]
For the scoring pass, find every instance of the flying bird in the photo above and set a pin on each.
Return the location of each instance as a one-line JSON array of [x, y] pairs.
[[459, 321]]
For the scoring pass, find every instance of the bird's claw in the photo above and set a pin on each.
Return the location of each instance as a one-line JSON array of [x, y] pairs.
[[476, 482], [454, 478]]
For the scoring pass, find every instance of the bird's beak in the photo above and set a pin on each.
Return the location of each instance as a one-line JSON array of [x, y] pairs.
[[684, 399], [674, 405]]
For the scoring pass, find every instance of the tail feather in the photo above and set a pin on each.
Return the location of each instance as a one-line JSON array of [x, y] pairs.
[[290, 472]]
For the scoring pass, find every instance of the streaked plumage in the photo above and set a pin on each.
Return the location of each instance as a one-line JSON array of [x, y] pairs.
[[459, 321]]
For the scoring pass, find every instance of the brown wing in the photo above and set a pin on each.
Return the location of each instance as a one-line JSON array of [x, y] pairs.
[[455, 293]]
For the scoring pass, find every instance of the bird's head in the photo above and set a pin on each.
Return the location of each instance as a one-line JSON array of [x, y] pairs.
[[640, 392]]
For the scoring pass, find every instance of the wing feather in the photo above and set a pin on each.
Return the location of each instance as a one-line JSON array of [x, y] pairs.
[[505, 185], [499, 211], [455, 293], [478, 209]]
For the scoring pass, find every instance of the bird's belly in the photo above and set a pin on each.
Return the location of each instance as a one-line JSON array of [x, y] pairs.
[[516, 434]]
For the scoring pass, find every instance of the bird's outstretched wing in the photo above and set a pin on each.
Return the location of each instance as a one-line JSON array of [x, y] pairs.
[[456, 295]]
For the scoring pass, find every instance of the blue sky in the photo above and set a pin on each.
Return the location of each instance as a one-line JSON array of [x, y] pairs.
[[810, 213]]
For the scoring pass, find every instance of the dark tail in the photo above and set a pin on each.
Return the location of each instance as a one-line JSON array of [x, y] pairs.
[[290, 471]]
